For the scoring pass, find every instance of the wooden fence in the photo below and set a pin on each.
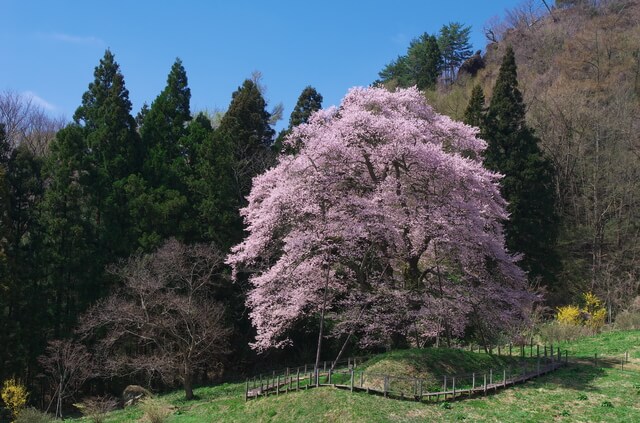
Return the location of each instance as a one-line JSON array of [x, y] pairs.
[[436, 388]]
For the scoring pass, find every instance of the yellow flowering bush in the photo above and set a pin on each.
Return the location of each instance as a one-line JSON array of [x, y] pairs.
[[14, 394], [591, 315], [569, 315]]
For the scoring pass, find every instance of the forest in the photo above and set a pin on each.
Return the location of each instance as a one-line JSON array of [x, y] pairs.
[[464, 196]]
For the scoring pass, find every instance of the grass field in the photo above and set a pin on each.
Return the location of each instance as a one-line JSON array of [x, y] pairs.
[[578, 393]]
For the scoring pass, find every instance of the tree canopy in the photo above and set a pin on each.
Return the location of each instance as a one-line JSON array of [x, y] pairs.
[[395, 222]]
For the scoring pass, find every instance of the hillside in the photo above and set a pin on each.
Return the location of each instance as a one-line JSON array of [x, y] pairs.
[[579, 72], [580, 392]]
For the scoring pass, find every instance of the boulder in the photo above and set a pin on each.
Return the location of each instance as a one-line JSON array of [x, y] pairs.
[[134, 393]]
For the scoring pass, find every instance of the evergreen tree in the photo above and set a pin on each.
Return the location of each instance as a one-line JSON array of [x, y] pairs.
[[7, 325], [164, 124], [455, 48], [112, 148], [528, 182], [475, 112], [158, 199], [426, 59], [73, 260], [308, 102], [239, 149], [421, 65]]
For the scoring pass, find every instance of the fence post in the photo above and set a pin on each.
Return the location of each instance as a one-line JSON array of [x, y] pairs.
[[298, 379], [420, 387], [473, 381], [351, 378], [622, 363], [454, 387], [362, 379], [490, 376], [504, 378], [485, 384], [386, 385], [329, 377], [325, 367], [278, 386], [246, 391], [444, 386]]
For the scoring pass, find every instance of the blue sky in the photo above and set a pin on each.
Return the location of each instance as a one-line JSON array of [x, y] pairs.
[[49, 48]]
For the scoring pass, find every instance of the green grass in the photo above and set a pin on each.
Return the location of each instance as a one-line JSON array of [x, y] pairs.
[[605, 344], [579, 393]]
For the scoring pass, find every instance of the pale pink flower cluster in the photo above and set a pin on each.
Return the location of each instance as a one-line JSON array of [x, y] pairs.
[[387, 205]]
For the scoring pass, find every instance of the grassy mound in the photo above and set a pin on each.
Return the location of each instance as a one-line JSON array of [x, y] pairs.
[[579, 392]]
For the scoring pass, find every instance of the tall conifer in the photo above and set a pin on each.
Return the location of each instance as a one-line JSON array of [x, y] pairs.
[[528, 182], [112, 154]]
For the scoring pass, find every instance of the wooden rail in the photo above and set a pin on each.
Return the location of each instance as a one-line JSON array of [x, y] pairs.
[[452, 387]]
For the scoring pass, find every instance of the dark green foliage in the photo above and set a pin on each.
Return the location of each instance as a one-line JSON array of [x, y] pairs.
[[239, 149], [528, 182], [421, 66], [475, 112], [158, 198], [308, 102], [455, 48], [111, 153], [164, 124], [71, 251]]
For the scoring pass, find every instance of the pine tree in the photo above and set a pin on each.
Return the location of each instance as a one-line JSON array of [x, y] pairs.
[[475, 112], [112, 148], [157, 199], [73, 259], [239, 149], [454, 47], [308, 102], [528, 182], [426, 58], [164, 124], [421, 66]]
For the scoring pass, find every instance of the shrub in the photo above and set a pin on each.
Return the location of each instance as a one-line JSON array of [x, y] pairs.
[[556, 332], [592, 315], [569, 315], [628, 320], [31, 415], [96, 408], [14, 394], [155, 411]]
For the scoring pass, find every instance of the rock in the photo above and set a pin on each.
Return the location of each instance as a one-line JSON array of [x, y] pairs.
[[134, 393]]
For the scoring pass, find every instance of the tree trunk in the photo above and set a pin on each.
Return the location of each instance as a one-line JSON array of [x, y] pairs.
[[320, 332], [346, 341], [188, 385]]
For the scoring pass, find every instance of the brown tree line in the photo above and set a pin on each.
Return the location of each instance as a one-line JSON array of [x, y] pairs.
[[579, 70]]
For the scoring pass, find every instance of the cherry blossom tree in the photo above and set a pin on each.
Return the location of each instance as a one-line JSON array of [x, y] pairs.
[[385, 220]]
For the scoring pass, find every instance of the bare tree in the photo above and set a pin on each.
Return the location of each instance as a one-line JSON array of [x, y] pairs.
[[67, 365], [163, 321], [27, 123]]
